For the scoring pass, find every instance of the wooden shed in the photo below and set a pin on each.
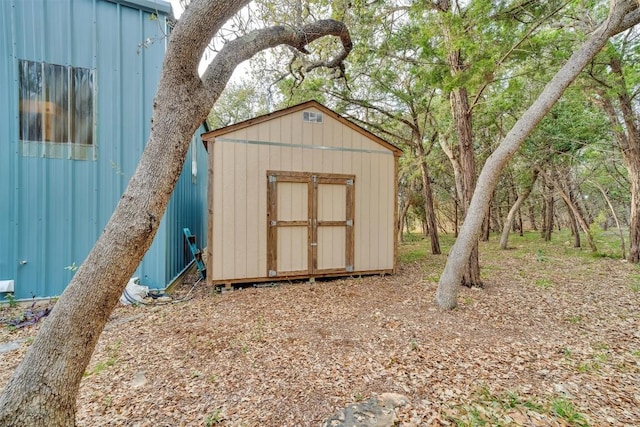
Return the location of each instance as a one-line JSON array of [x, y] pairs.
[[299, 193]]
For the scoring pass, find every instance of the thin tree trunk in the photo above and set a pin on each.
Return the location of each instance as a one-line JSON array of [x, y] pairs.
[[520, 226], [455, 228], [575, 231], [401, 219], [504, 238], [615, 217], [429, 208], [532, 217], [578, 215], [486, 226], [622, 15], [548, 219]]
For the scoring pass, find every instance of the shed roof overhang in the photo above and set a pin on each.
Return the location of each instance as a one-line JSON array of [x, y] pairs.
[[210, 136]]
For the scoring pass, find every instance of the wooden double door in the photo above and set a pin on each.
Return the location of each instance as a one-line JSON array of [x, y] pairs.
[[310, 230]]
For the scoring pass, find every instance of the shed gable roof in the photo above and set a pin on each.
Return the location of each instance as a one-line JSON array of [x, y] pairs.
[[210, 136]]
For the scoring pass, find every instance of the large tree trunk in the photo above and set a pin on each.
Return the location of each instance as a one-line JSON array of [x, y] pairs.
[[504, 238], [623, 14], [634, 217], [43, 389], [462, 117], [466, 168], [624, 123]]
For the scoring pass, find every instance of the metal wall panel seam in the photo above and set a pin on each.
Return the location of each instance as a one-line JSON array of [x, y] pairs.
[[13, 245]]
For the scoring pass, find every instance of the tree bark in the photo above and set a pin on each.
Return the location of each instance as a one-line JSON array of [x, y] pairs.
[[401, 219], [549, 212], [532, 217], [429, 208], [622, 15], [615, 217], [461, 113], [44, 387], [575, 231], [625, 128], [504, 238], [577, 215]]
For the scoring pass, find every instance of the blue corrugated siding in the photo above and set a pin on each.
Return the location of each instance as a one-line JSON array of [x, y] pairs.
[[53, 210], [188, 208], [7, 168]]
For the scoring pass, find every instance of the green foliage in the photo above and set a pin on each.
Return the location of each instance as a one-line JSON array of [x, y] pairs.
[[574, 319], [564, 409], [11, 299], [214, 418], [487, 408], [112, 359], [412, 255], [543, 283]]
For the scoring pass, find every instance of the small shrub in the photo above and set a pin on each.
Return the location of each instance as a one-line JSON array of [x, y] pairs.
[[11, 299], [566, 410], [543, 283]]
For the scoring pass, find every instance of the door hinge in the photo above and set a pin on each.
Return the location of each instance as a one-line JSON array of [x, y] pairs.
[[314, 244]]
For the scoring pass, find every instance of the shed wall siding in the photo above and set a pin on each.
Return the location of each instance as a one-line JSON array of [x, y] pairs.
[[58, 207], [240, 160]]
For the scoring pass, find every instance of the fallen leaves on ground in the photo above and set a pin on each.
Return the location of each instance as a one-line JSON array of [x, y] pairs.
[[546, 343]]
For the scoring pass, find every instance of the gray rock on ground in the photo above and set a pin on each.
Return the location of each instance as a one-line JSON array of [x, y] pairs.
[[374, 412]]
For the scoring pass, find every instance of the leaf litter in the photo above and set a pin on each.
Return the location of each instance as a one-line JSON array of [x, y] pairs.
[[553, 343]]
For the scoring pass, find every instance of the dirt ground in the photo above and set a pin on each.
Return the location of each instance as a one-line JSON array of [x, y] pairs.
[[550, 341]]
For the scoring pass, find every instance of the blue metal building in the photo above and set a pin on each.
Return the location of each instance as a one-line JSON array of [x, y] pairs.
[[77, 79]]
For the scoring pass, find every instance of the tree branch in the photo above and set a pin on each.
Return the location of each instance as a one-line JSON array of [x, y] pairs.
[[239, 50]]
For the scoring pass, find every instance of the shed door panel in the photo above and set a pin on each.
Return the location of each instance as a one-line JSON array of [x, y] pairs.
[[333, 225], [331, 249], [310, 223], [293, 227]]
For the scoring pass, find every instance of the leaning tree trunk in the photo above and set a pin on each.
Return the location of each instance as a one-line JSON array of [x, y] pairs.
[[623, 14], [44, 387], [504, 238]]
